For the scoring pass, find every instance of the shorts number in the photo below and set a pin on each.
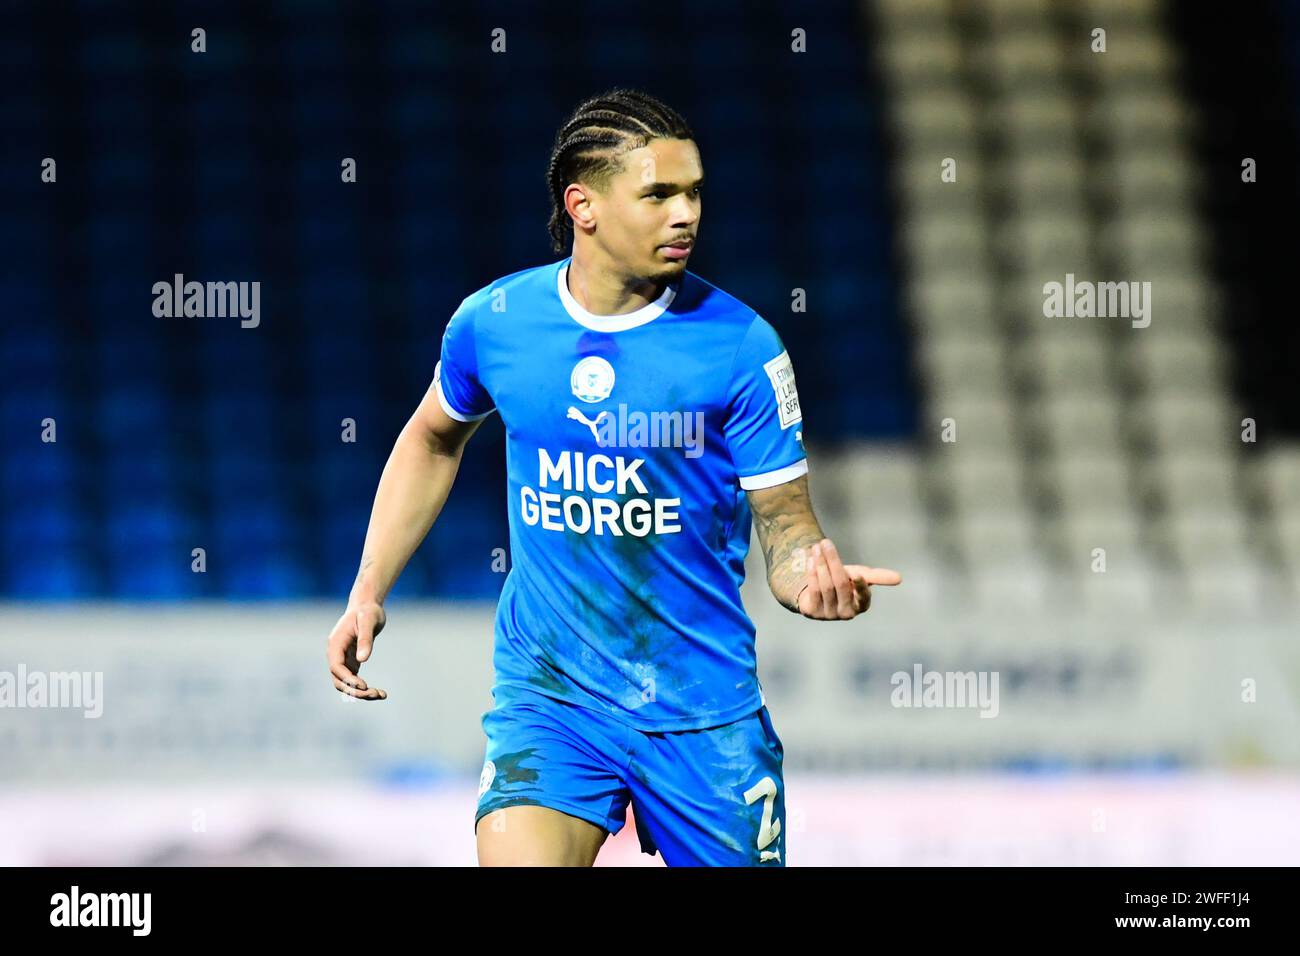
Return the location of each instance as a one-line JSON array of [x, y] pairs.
[[768, 829]]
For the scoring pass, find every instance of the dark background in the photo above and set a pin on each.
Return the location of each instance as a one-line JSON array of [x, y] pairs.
[[175, 433]]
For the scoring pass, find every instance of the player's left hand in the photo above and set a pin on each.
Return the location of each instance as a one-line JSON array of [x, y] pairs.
[[834, 591]]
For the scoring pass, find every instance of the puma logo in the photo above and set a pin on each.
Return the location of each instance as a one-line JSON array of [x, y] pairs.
[[579, 417]]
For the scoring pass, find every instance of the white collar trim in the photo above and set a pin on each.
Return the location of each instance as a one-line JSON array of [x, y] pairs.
[[612, 323]]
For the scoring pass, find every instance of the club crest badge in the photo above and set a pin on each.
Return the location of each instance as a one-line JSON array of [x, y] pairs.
[[592, 379]]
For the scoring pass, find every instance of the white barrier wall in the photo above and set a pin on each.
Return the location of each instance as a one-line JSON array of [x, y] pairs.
[[223, 692], [882, 820]]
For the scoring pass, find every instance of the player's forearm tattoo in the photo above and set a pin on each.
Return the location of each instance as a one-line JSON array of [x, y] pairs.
[[787, 529]]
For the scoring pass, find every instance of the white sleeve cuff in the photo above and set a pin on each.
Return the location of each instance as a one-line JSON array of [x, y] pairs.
[[446, 405], [779, 477]]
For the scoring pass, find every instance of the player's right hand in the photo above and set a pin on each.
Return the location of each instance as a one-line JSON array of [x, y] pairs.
[[349, 646]]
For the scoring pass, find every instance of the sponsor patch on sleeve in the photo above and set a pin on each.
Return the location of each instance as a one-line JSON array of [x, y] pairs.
[[781, 373]]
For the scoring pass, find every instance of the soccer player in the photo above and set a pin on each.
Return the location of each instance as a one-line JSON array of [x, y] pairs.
[[651, 419]]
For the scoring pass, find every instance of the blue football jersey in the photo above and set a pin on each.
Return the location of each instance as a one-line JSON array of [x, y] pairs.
[[630, 443]]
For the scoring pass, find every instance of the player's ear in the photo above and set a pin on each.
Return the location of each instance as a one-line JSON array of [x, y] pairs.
[[578, 205]]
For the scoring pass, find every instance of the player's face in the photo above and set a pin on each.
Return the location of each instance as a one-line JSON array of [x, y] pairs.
[[653, 202]]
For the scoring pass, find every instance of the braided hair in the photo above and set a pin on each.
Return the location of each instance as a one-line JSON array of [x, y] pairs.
[[589, 145]]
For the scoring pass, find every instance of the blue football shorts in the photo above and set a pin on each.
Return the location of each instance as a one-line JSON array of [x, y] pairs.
[[712, 797]]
